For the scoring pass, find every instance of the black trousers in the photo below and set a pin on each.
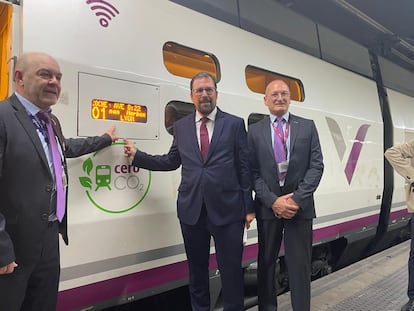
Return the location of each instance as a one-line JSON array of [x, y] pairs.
[[297, 237], [228, 242], [34, 286]]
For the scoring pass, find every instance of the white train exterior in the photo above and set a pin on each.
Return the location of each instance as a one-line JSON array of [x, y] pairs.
[[125, 240]]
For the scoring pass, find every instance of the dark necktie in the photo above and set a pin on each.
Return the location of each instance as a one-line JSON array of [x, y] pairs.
[[204, 141], [57, 165], [279, 146]]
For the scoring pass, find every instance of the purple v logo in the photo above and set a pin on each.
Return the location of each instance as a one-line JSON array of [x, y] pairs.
[[340, 145]]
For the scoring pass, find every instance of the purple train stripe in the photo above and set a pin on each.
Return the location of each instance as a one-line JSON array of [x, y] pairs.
[[355, 152]]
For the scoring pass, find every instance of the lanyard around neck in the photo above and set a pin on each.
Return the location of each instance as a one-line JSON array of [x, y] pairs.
[[279, 134], [39, 126]]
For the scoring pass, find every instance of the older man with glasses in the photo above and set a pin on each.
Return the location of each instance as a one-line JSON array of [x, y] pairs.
[[287, 165]]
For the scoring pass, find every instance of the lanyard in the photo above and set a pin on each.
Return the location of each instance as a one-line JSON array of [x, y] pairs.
[[38, 125], [277, 132]]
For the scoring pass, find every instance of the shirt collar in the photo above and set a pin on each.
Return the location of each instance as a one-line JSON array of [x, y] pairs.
[[30, 107], [285, 117], [211, 116]]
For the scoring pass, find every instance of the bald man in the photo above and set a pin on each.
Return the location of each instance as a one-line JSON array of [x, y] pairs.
[[29, 226], [286, 163]]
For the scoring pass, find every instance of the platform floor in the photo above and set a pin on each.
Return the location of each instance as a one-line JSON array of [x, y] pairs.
[[377, 283]]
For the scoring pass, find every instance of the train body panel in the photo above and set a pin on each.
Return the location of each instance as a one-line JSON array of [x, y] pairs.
[[125, 238]]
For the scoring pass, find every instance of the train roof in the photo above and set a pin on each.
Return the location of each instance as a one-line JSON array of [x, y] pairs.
[[341, 32]]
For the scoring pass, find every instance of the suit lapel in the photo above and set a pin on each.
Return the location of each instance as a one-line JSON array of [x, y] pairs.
[[218, 130], [267, 136], [192, 135], [27, 124], [294, 129], [58, 132]]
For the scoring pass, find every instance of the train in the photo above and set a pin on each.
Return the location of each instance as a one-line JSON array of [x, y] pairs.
[[129, 64]]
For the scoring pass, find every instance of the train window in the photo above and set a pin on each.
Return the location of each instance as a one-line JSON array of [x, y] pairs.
[[174, 111], [256, 117], [257, 79], [187, 62]]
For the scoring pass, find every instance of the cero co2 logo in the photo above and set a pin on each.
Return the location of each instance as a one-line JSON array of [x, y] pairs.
[[114, 187]]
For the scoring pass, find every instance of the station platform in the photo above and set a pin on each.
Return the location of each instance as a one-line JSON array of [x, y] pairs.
[[377, 283]]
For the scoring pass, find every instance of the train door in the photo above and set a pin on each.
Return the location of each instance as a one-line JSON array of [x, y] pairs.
[[9, 19]]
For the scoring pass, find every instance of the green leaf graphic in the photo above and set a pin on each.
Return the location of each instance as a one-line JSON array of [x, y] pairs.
[[87, 166], [86, 182]]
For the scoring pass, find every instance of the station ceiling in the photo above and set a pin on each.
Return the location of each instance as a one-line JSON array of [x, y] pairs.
[[385, 26]]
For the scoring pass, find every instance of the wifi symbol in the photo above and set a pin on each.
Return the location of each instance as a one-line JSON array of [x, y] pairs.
[[105, 11]]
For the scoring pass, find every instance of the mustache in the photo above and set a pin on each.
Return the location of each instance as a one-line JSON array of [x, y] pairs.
[[204, 100]]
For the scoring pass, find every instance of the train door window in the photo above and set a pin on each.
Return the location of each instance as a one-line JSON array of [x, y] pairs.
[[5, 48], [256, 117], [187, 62], [258, 78], [174, 111]]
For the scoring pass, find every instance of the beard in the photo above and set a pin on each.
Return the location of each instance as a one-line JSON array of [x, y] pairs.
[[206, 105]]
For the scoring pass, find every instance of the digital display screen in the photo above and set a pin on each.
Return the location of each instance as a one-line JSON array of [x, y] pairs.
[[108, 110]]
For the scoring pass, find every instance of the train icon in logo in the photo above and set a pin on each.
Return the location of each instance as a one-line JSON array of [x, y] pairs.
[[104, 10], [103, 176]]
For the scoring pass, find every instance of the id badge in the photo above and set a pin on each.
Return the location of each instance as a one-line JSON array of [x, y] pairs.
[[64, 179], [282, 167]]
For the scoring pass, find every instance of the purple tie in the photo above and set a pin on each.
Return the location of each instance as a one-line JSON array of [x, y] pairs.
[[57, 165], [204, 141], [279, 147]]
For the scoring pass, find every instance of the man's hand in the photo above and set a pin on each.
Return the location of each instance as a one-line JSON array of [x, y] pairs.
[[249, 218], [8, 269], [111, 132], [285, 207], [129, 149]]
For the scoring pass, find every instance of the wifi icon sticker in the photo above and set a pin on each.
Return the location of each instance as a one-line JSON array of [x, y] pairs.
[[104, 10]]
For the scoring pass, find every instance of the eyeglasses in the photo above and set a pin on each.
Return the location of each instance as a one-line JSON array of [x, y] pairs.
[[283, 94], [200, 91]]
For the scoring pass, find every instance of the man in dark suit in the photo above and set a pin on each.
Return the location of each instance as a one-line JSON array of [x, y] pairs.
[[284, 180], [29, 225], [214, 197]]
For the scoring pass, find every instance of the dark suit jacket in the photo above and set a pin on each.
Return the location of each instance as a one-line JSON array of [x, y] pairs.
[[304, 172], [222, 182], [26, 183]]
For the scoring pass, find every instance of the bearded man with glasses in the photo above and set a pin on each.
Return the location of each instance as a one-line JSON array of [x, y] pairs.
[[214, 197]]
